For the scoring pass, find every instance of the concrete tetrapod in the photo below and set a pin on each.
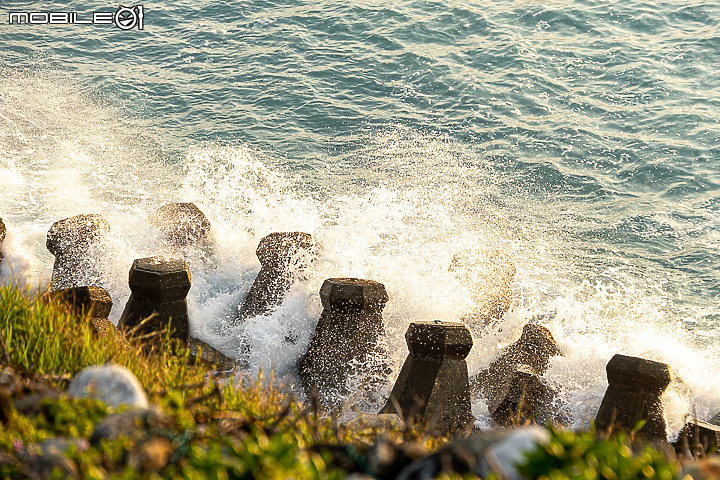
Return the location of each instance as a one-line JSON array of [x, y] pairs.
[[697, 439], [283, 256], [76, 243], [182, 224], [635, 387], [96, 303], [535, 347], [159, 289], [345, 338], [523, 398], [433, 387]]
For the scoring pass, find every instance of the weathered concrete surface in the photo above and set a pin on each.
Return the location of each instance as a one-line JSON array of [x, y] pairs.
[[697, 439], [159, 289], [95, 302], [635, 387], [182, 224], [433, 387], [345, 338], [524, 398], [77, 244], [535, 347], [488, 275], [283, 256]]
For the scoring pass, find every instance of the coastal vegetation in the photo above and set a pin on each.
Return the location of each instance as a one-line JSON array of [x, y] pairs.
[[206, 427]]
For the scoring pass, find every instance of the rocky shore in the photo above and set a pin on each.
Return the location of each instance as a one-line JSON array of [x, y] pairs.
[[79, 394]]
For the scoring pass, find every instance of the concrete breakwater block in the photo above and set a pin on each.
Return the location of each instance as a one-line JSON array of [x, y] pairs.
[[635, 387], [697, 439], [433, 387], [96, 303], [77, 244], [346, 336], [114, 385], [3, 232], [205, 353], [159, 289], [488, 275], [182, 224], [535, 347], [523, 398], [283, 256]]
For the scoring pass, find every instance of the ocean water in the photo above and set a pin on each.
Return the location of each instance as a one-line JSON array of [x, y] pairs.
[[581, 138]]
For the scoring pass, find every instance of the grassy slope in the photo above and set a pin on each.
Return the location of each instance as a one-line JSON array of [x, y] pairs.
[[219, 431]]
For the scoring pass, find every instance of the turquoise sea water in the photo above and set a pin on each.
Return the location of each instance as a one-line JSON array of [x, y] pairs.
[[580, 137]]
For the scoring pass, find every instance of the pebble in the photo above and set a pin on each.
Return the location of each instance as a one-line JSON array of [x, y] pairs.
[[112, 384]]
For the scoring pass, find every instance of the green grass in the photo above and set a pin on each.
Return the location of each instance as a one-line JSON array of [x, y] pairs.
[[264, 434], [218, 430]]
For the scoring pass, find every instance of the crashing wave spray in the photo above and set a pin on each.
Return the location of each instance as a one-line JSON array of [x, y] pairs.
[[423, 199]]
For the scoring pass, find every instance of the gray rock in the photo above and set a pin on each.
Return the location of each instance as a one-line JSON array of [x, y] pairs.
[[114, 385], [480, 454], [204, 352], [131, 423], [535, 347], [715, 420], [510, 451], [523, 398], [48, 464], [95, 302], [697, 439], [90, 300]]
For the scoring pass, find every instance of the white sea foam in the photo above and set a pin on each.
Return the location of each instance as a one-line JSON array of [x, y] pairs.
[[62, 155]]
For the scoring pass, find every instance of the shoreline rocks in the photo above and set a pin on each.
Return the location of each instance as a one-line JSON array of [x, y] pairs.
[[635, 387], [77, 243], [182, 225], [433, 389], [159, 289], [283, 256], [114, 385], [512, 381], [97, 304], [346, 337]]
